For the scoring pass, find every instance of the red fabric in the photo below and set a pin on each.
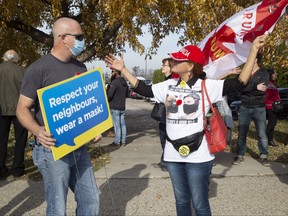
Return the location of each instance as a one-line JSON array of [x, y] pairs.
[[272, 95], [175, 76]]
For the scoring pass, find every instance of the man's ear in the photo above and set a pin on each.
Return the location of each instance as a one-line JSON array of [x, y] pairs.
[[63, 38]]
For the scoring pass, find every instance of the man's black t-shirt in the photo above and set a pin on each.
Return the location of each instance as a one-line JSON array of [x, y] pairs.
[[44, 72]]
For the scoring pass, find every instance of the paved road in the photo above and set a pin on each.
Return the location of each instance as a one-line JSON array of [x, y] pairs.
[[135, 187]]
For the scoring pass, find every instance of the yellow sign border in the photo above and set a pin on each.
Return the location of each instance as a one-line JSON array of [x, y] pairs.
[[82, 139]]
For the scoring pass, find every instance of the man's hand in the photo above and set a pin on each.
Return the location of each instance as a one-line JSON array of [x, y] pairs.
[[44, 138], [262, 87], [97, 138]]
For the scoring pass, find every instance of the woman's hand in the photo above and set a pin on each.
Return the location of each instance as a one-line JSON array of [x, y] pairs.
[[118, 64], [260, 41], [114, 63]]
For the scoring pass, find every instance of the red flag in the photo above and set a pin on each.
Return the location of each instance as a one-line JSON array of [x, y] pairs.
[[227, 46]]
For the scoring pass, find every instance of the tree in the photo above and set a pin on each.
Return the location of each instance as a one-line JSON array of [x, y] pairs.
[[108, 25], [158, 76], [136, 70]]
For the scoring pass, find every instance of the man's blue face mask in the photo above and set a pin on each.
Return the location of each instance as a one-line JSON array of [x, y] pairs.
[[78, 47]]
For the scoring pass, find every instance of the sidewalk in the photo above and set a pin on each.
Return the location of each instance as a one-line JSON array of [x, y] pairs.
[[145, 150], [138, 188], [131, 185]]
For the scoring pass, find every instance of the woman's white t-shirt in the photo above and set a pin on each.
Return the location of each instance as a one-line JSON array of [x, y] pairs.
[[184, 114]]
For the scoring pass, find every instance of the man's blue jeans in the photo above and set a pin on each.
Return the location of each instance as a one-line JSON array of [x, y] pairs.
[[258, 115], [73, 171], [191, 186], [118, 117]]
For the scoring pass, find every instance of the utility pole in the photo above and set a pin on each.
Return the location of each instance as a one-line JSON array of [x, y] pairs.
[[147, 54]]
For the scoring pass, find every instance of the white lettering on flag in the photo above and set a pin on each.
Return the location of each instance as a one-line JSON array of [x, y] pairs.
[[227, 46]]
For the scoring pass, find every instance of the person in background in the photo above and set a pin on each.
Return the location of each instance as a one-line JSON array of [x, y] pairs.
[[253, 108], [189, 170], [272, 95], [11, 76], [166, 71], [117, 92], [74, 170], [224, 108]]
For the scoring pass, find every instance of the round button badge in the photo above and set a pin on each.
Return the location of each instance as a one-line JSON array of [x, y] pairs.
[[184, 150]]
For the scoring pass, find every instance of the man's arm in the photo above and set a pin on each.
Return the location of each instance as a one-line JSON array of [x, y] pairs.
[[111, 91], [26, 118]]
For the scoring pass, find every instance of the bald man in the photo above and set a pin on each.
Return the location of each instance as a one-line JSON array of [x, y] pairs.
[[11, 76], [74, 170]]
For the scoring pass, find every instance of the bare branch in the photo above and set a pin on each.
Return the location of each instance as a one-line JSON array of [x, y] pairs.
[[48, 2], [34, 33]]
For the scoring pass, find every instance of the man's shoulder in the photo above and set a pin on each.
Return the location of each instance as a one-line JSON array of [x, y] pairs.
[[114, 83], [49, 60], [11, 66], [42, 61], [262, 71], [118, 80], [262, 74], [76, 62], [8, 64]]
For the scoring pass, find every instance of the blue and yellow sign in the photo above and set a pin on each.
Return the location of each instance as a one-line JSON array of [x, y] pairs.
[[75, 111]]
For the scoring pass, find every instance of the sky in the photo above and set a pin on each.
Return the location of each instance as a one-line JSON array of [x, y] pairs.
[[133, 59]]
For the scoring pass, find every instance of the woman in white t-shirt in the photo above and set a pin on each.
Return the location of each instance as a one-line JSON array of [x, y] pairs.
[[189, 171]]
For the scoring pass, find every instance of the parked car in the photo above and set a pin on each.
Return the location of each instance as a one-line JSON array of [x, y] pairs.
[[284, 98], [133, 94], [235, 103]]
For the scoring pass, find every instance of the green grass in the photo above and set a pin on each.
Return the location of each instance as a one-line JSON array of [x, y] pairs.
[[100, 155], [278, 153]]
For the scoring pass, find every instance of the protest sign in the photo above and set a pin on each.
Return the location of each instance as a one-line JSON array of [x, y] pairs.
[[75, 111]]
